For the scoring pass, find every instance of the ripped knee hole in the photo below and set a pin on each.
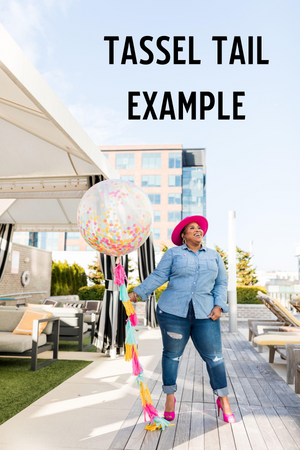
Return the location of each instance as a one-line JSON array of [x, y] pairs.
[[174, 335]]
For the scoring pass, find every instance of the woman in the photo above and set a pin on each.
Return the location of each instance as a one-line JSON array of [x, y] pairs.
[[191, 306]]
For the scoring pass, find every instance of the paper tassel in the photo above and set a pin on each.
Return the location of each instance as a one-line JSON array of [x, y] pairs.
[[158, 423], [151, 411], [131, 334], [135, 352], [132, 354], [120, 275], [128, 352], [136, 366], [123, 293], [129, 308], [145, 395], [134, 319]]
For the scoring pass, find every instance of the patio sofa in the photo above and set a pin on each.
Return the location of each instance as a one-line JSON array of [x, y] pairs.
[[28, 345], [73, 325]]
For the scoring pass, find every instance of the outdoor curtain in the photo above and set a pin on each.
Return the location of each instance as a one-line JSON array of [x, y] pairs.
[[110, 332], [6, 234], [146, 265]]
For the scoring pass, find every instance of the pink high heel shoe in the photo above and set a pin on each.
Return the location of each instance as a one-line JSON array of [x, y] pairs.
[[170, 415], [230, 418]]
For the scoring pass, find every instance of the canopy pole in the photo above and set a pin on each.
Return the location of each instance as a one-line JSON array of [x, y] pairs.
[[232, 296]]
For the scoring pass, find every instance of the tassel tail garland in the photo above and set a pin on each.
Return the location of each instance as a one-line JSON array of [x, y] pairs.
[[132, 354]]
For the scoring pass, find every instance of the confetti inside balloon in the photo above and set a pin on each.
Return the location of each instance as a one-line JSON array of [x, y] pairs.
[[115, 217]]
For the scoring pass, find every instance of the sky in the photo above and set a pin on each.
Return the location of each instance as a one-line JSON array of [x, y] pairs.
[[253, 165]]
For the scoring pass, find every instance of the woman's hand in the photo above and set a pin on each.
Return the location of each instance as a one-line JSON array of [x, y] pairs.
[[133, 297], [215, 313]]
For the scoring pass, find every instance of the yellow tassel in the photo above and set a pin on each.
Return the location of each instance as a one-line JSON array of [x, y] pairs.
[[128, 352], [145, 394], [134, 350], [152, 427], [129, 308]]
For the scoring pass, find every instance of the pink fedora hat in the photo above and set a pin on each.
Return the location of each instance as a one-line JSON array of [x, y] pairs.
[[200, 220]]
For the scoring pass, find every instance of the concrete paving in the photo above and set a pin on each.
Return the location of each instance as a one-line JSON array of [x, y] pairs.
[[88, 409]]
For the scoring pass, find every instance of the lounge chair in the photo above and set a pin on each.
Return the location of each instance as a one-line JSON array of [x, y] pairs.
[[284, 344], [284, 318]]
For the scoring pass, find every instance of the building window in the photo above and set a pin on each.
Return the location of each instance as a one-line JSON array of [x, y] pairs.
[[175, 160], [72, 248], [174, 199], [127, 178], [154, 199], [49, 241], [89, 249], [72, 235], [174, 216], [193, 191], [174, 180], [156, 233], [125, 161], [22, 237], [156, 216], [170, 231], [106, 155], [151, 180], [151, 161]]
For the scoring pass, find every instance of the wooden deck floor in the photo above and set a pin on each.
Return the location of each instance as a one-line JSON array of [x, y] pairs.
[[266, 409]]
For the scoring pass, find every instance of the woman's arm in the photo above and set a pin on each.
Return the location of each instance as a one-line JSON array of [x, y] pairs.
[[220, 288], [158, 277]]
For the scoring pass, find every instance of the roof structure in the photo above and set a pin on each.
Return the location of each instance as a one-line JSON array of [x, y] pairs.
[[46, 158]]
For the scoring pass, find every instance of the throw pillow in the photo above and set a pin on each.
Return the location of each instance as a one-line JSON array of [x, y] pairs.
[[25, 325]]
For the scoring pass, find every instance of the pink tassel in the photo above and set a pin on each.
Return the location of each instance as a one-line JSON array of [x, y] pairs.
[[120, 275], [136, 367], [151, 411], [134, 319]]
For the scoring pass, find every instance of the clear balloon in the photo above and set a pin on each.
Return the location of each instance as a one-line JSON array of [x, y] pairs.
[[115, 217]]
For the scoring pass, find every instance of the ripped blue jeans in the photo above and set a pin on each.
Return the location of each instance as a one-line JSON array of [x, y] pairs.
[[206, 336]]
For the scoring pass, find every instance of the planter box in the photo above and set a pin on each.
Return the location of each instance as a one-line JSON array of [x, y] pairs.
[[252, 312], [243, 311]]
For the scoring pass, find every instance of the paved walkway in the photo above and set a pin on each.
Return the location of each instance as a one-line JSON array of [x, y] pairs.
[[99, 407]]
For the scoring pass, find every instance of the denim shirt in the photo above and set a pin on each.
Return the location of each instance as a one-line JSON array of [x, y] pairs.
[[200, 277]]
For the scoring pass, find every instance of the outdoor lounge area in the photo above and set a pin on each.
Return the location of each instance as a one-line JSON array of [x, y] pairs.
[[99, 407]]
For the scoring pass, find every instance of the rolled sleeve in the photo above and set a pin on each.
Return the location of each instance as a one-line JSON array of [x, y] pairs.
[[157, 278], [220, 288]]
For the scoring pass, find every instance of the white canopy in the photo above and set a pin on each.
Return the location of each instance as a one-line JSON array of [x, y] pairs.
[[45, 155]]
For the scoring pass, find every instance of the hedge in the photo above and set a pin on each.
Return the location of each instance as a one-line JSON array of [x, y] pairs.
[[245, 294], [65, 279], [95, 292]]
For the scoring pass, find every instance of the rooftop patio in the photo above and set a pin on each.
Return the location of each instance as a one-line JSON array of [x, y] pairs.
[[99, 407]]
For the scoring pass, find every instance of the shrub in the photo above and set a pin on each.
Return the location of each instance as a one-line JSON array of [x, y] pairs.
[[66, 280], [246, 295], [96, 292]]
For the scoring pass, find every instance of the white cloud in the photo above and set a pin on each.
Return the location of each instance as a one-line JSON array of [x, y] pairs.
[[26, 21], [103, 125], [57, 79]]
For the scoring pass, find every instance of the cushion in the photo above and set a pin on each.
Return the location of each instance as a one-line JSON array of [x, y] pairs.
[[9, 319], [16, 343], [51, 303], [290, 329], [93, 305], [286, 312], [279, 339], [88, 317], [26, 324]]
